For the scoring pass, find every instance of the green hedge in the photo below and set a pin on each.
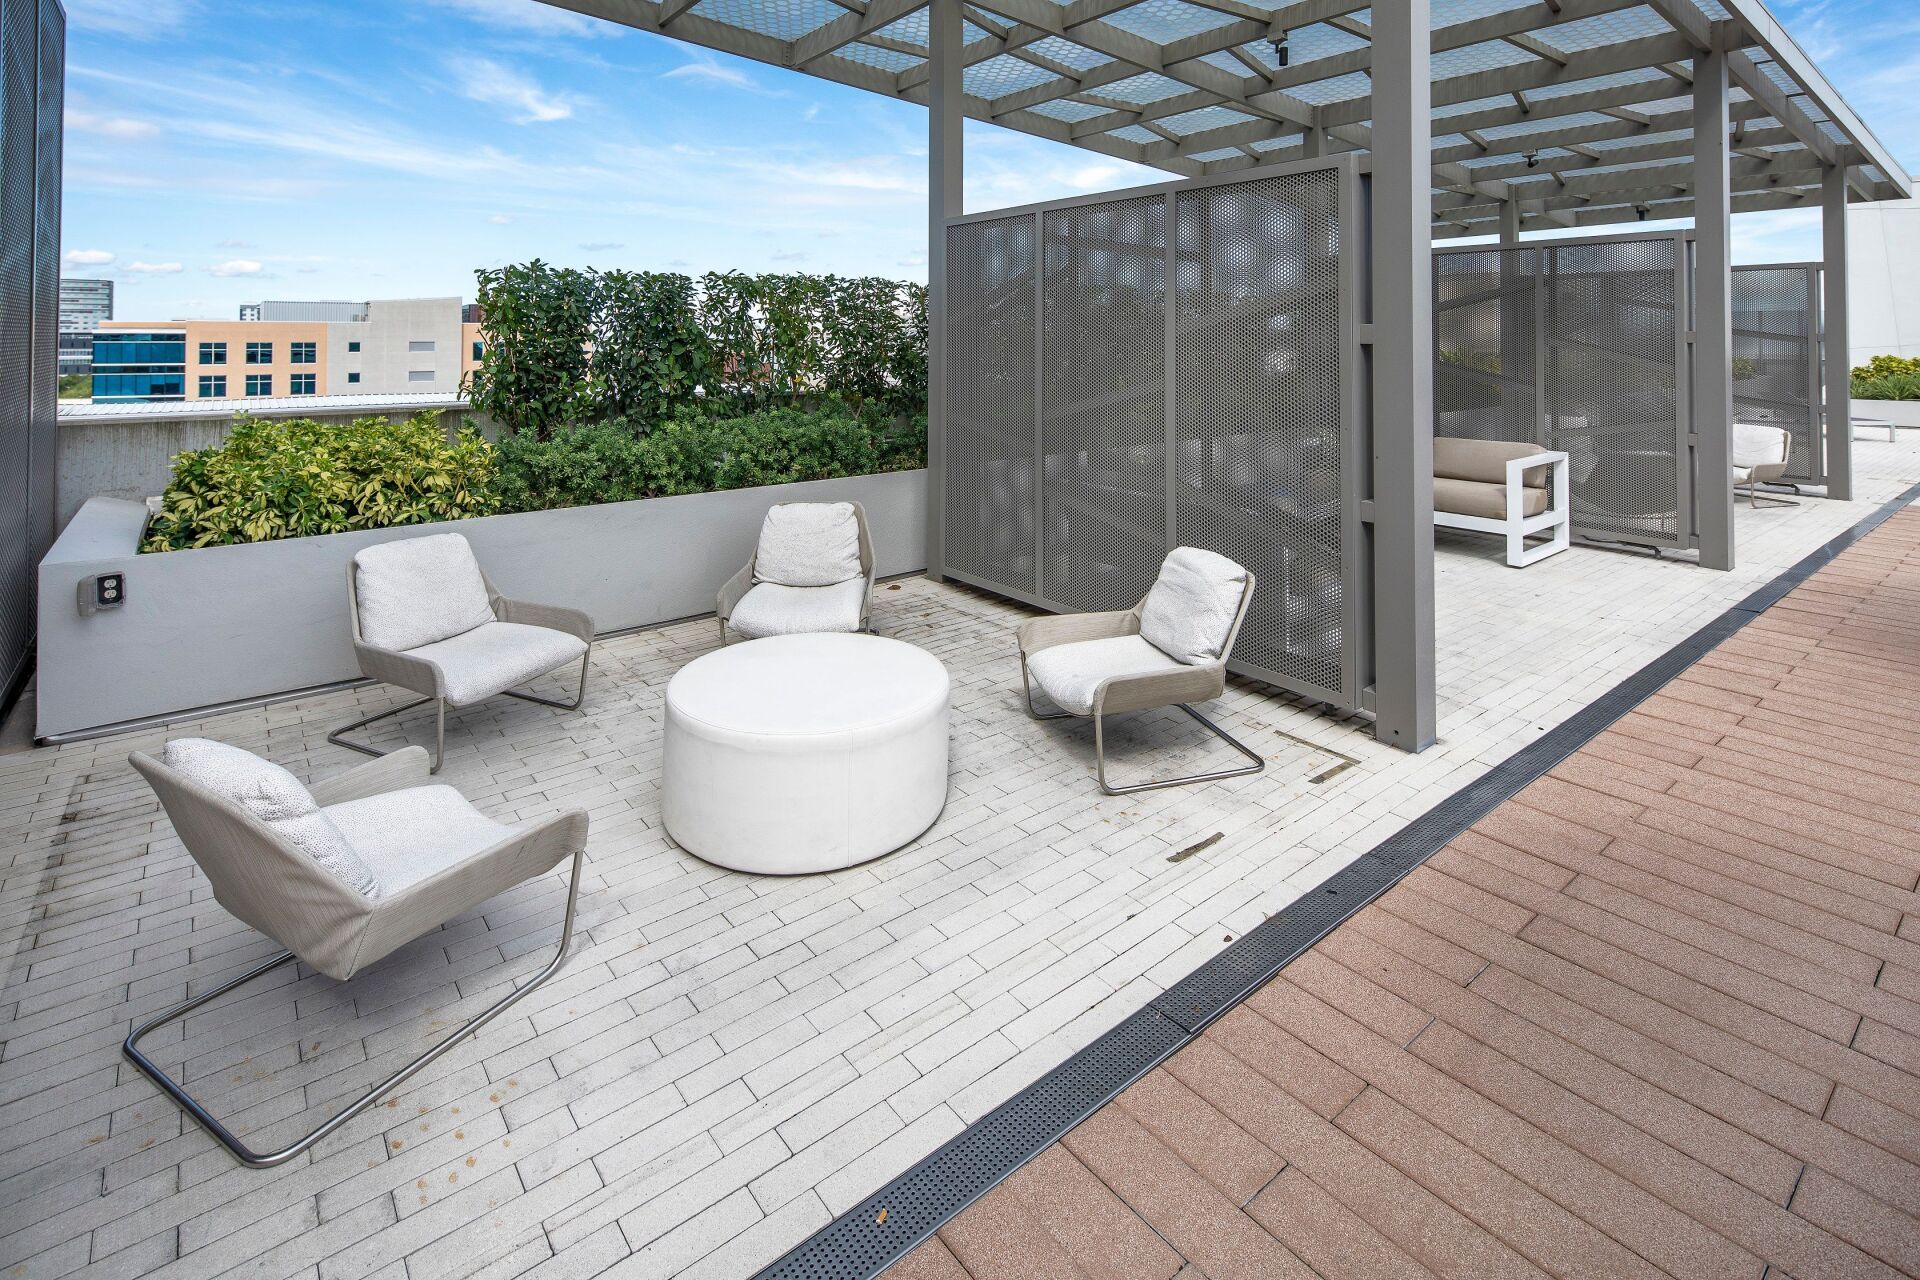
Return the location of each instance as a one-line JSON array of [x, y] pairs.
[[1887, 378], [293, 478]]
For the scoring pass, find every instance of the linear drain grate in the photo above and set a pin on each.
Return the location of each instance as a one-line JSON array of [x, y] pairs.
[[863, 1242]]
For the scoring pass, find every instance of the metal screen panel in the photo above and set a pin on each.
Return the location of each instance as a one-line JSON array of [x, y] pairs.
[[1776, 360], [43, 410], [18, 128], [991, 500], [1258, 472], [1485, 377], [1103, 400], [1612, 389]]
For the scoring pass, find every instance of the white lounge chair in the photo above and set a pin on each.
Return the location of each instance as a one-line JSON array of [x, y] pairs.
[[812, 572], [1517, 491], [425, 618], [1760, 454], [341, 875], [1169, 650]]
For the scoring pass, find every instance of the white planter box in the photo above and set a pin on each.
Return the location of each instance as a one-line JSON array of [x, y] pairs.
[[230, 624], [1901, 413]]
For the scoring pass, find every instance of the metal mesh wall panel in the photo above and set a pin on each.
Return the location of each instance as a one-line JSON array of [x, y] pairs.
[[1103, 402], [18, 125], [1485, 380], [1257, 389], [43, 410], [991, 500], [1612, 312], [1776, 366]]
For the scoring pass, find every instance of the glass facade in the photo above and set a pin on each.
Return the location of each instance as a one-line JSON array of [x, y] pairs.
[[303, 352], [259, 353], [131, 366], [213, 353], [213, 386], [259, 384], [302, 384]]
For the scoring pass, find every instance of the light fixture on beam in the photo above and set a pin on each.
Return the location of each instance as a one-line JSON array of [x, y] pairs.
[[1279, 43]]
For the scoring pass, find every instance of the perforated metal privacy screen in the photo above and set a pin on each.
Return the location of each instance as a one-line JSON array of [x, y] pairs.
[[1776, 359], [1575, 346], [1214, 417]]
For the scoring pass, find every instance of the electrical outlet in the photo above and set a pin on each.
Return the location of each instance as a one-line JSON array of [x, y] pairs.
[[101, 591]]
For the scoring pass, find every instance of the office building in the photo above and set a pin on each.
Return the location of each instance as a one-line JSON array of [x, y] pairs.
[[85, 305], [292, 349]]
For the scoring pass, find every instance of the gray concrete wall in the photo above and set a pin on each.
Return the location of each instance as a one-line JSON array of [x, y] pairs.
[[386, 359], [225, 624]]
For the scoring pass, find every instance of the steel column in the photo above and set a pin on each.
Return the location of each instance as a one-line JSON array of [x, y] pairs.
[[1839, 374], [1402, 322], [946, 116], [1510, 223], [1713, 312]]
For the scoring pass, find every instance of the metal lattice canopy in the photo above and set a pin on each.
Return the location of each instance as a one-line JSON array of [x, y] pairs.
[[1578, 111]]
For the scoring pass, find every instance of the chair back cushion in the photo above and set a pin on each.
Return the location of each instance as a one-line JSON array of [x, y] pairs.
[[1189, 613], [809, 544], [419, 590], [1483, 461], [1757, 445], [276, 798]]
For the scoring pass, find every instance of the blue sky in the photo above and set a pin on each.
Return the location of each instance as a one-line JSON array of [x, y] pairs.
[[222, 151]]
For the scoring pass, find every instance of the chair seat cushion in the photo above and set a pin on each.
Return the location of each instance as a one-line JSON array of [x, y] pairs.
[[1484, 461], [407, 836], [419, 590], [1071, 674], [808, 544], [496, 657], [770, 609], [1189, 613], [275, 797], [1486, 501]]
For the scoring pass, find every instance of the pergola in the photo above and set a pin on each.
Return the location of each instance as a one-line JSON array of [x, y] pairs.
[[1474, 117]]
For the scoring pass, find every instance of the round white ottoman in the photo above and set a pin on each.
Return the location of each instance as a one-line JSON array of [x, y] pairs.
[[805, 753]]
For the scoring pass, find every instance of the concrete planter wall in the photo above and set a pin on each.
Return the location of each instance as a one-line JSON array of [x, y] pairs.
[[227, 624], [1901, 413]]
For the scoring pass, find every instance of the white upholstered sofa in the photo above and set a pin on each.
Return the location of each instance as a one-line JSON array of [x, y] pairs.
[[1518, 491]]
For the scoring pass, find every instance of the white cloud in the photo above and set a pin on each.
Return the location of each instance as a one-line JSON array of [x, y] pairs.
[[485, 80], [123, 127], [237, 267], [529, 16], [501, 219], [88, 257], [156, 268], [601, 246], [235, 244], [144, 19], [709, 68]]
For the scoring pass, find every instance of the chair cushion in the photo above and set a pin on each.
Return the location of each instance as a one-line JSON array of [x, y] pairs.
[[497, 656], [1071, 674], [770, 609], [1487, 501], [419, 590], [406, 836], [1485, 461], [808, 544], [275, 797], [1755, 444], [1192, 605]]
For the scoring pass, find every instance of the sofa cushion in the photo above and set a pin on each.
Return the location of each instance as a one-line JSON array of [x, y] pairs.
[[1192, 605], [1486, 501], [410, 835], [1484, 461], [419, 590], [496, 656], [1071, 674], [770, 609], [276, 798], [808, 544]]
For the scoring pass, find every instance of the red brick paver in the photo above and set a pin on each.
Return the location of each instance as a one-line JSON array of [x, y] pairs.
[[1659, 1014]]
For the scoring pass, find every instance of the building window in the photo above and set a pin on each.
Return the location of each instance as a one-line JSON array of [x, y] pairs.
[[259, 353], [304, 352], [213, 353], [353, 377], [301, 384], [213, 386], [259, 384], [353, 346], [419, 345], [479, 352], [419, 375]]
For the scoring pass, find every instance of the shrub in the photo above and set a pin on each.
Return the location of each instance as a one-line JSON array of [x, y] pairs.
[[293, 478], [691, 453], [1887, 378]]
